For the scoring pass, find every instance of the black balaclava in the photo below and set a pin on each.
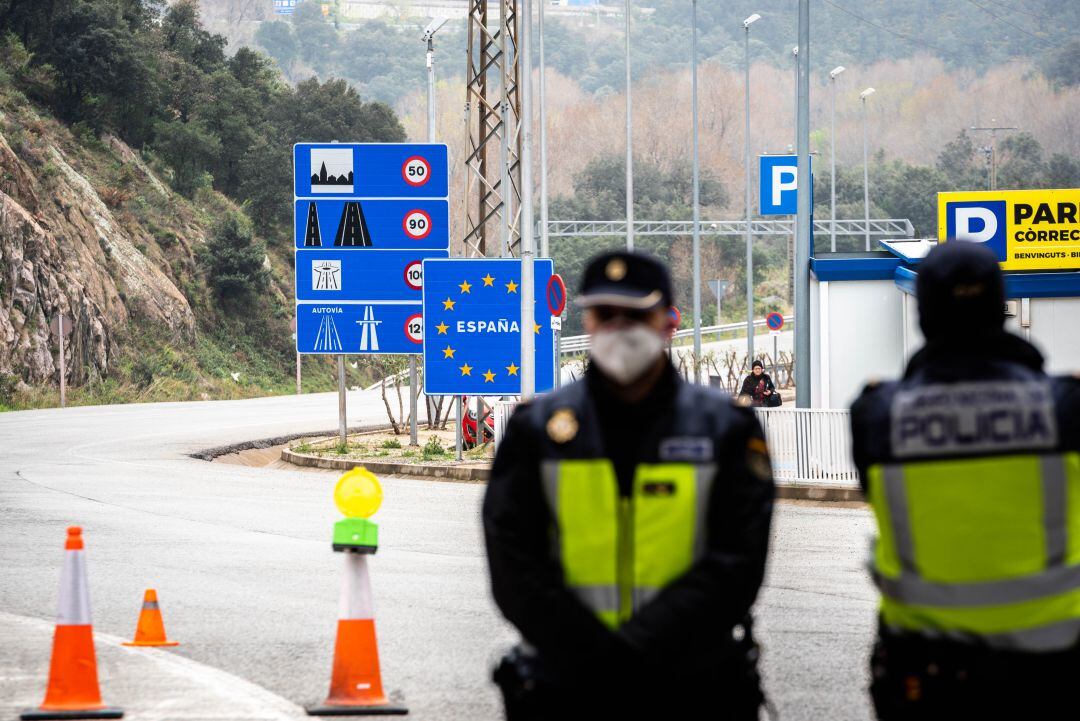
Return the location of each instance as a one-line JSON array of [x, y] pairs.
[[961, 292]]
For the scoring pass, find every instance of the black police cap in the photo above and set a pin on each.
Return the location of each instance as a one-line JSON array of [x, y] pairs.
[[960, 290], [625, 280]]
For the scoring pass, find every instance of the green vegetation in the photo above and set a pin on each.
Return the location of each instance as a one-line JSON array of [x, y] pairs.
[[433, 449], [220, 130], [391, 443]]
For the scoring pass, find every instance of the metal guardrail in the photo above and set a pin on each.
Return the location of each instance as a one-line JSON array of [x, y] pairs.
[[808, 446], [580, 343], [883, 227]]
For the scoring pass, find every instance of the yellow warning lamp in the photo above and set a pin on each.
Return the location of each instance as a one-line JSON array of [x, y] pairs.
[[358, 496]]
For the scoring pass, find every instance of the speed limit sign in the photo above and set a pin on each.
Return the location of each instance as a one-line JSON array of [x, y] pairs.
[[414, 328], [416, 171], [417, 224], [414, 275]]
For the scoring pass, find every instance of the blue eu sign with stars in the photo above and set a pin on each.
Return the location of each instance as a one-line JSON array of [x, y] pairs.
[[366, 217], [472, 316]]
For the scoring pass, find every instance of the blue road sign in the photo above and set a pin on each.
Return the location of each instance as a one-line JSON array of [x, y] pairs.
[[778, 184], [336, 274], [370, 170], [362, 328], [372, 224], [472, 314], [775, 321]]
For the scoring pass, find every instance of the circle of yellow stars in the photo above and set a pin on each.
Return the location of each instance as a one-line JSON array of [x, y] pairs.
[[465, 288]]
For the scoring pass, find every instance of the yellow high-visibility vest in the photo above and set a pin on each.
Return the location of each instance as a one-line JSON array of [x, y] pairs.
[[981, 547], [618, 553]]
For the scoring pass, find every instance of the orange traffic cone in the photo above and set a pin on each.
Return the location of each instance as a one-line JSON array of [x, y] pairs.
[[151, 629], [73, 691], [355, 682]]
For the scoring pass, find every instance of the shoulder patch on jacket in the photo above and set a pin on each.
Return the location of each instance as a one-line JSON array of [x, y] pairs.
[[757, 459], [562, 426]]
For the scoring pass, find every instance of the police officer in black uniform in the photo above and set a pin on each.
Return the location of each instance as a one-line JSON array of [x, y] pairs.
[[627, 524], [971, 465]]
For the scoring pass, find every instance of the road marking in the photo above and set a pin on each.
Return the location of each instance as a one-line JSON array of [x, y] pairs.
[[220, 694]]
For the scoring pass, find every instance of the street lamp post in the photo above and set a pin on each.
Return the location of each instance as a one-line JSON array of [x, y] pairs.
[[749, 242], [429, 38], [545, 251], [629, 141], [832, 159], [697, 194], [528, 242], [866, 166]]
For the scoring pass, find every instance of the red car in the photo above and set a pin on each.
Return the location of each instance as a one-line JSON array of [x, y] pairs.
[[468, 424]]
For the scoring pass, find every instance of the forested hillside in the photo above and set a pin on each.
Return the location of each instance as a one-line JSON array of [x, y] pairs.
[[145, 192]]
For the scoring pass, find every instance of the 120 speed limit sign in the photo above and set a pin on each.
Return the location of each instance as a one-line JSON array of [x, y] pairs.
[[417, 224], [414, 275], [416, 171], [414, 328]]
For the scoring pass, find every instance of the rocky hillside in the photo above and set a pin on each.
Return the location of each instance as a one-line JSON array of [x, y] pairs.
[[68, 245]]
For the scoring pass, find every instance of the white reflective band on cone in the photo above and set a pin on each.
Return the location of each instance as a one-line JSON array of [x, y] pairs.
[[355, 589], [74, 593]]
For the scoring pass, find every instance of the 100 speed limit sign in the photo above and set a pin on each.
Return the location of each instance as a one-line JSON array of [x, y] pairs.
[[416, 171], [414, 275], [417, 224]]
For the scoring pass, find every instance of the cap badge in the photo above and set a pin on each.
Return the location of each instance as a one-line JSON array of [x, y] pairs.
[[616, 269], [562, 426]]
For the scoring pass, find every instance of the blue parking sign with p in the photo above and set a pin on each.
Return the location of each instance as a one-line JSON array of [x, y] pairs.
[[778, 184], [979, 221]]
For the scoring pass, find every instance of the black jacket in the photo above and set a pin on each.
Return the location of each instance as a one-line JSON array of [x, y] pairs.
[[998, 356], [687, 628], [750, 388]]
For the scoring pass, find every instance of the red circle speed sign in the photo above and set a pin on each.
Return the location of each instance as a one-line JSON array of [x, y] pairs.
[[416, 224], [416, 171], [414, 328], [556, 294], [414, 275]]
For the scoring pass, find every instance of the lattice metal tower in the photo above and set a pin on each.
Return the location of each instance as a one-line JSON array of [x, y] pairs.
[[492, 115]]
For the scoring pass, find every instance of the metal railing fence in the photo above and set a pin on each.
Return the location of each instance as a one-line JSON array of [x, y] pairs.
[[809, 446]]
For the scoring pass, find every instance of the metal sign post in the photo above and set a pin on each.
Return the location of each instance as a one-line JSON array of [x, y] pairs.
[[342, 426], [62, 329], [775, 321]]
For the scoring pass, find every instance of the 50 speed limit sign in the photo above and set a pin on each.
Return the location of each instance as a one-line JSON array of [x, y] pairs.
[[417, 224], [414, 328], [416, 171], [414, 275]]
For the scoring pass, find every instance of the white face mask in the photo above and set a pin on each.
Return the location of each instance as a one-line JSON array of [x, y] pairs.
[[624, 354]]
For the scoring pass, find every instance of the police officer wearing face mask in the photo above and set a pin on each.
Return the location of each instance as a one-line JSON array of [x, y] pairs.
[[627, 523], [972, 465]]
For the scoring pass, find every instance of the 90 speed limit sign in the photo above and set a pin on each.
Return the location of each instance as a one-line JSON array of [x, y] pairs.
[[416, 171], [414, 275], [414, 328], [417, 224]]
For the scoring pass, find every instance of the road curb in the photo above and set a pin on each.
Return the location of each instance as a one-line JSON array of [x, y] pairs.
[[442, 472], [479, 475], [210, 454]]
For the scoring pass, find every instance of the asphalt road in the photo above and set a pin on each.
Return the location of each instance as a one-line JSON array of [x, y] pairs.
[[248, 584]]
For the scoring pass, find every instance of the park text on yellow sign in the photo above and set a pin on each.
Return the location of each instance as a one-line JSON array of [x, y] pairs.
[[1028, 229]]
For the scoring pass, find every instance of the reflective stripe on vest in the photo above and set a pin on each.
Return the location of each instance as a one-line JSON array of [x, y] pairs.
[[988, 547], [617, 553]]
